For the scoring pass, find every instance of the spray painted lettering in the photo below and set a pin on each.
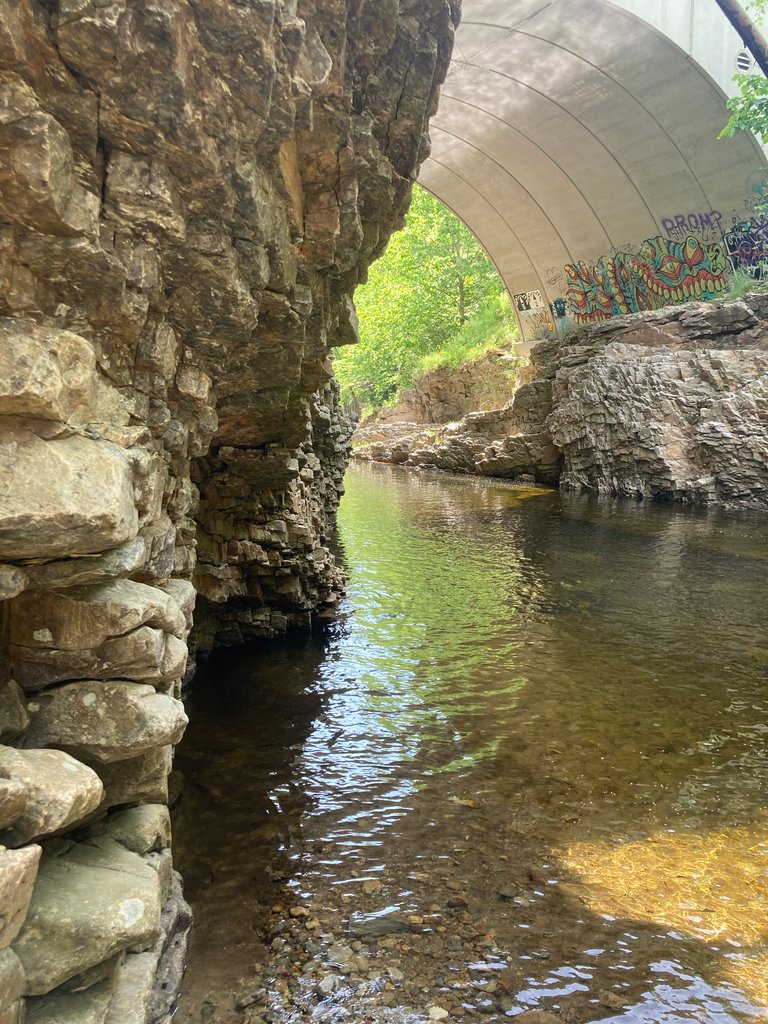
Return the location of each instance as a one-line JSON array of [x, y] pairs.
[[746, 246], [661, 272], [684, 224]]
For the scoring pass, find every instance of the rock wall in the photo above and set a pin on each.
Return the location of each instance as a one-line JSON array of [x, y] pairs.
[[448, 393], [670, 405], [189, 192]]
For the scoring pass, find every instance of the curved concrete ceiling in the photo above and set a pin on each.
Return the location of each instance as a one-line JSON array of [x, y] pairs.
[[569, 130]]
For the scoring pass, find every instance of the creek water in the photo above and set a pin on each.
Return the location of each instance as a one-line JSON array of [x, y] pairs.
[[534, 743]]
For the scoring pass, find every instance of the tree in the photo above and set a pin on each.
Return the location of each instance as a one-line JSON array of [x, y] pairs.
[[749, 110], [434, 282], [753, 38]]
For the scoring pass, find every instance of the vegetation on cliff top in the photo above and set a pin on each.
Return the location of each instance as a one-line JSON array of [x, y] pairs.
[[434, 299]]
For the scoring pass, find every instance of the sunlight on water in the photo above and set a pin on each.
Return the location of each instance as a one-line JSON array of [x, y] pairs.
[[538, 727]]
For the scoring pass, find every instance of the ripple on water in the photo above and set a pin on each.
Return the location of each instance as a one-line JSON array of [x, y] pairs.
[[538, 736]]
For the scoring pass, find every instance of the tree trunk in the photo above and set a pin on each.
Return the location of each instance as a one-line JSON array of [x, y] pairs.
[[462, 302], [753, 38]]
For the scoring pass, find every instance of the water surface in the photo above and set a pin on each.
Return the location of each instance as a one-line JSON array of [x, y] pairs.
[[536, 736]]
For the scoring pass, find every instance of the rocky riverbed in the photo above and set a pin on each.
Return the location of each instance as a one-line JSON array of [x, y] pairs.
[[504, 785]]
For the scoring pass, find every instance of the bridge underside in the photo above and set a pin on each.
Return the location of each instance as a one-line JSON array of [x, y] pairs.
[[578, 141]]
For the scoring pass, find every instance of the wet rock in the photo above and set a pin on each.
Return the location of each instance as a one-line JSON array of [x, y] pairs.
[[175, 924], [142, 779], [327, 986], [105, 721], [369, 927], [18, 871], [89, 1007], [132, 998], [90, 902], [11, 978], [60, 792], [538, 1017], [68, 496], [140, 829]]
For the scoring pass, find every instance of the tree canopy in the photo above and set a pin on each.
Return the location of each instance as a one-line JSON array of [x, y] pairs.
[[749, 110], [434, 297]]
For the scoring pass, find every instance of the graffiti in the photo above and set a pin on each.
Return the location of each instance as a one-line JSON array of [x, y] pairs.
[[554, 276], [661, 272], [563, 322], [534, 315], [526, 301], [684, 224], [746, 246]]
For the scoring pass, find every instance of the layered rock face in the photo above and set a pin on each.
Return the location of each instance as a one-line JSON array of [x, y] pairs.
[[670, 405], [189, 192], [448, 393]]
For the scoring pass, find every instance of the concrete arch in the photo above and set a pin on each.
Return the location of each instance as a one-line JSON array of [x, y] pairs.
[[573, 130]]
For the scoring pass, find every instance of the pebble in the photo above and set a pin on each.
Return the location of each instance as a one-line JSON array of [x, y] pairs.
[[327, 986], [371, 886], [437, 1013]]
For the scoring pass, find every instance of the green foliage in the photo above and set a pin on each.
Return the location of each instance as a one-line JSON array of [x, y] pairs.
[[742, 284], [492, 327], [749, 110], [433, 284]]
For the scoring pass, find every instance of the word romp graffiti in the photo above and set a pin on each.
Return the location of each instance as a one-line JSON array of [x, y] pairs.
[[683, 224], [661, 272], [746, 245]]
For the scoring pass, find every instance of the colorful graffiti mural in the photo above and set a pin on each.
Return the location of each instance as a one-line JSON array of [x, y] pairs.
[[746, 246], [660, 273]]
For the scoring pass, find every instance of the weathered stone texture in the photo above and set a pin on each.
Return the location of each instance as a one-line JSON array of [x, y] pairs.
[[190, 191], [670, 405]]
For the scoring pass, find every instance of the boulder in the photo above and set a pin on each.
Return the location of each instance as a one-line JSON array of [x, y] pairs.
[[88, 1007], [60, 792], [12, 581], [91, 901], [45, 373], [18, 870], [142, 779], [83, 618], [70, 496], [11, 978], [141, 829], [132, 999], [146, 655], [104, 721], [13, 800], [71, 572]]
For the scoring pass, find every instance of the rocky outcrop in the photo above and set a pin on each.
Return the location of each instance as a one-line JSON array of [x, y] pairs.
[[670, 405], [189, 193], [449, 393]]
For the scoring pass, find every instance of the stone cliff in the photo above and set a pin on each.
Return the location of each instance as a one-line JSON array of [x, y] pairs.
[[670, 405], [447, 393], [190, 191]]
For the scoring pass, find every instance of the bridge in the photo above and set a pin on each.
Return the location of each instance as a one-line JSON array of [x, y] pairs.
[[578, 140]]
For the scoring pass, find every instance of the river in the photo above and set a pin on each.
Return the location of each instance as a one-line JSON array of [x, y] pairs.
[[524, 770]]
